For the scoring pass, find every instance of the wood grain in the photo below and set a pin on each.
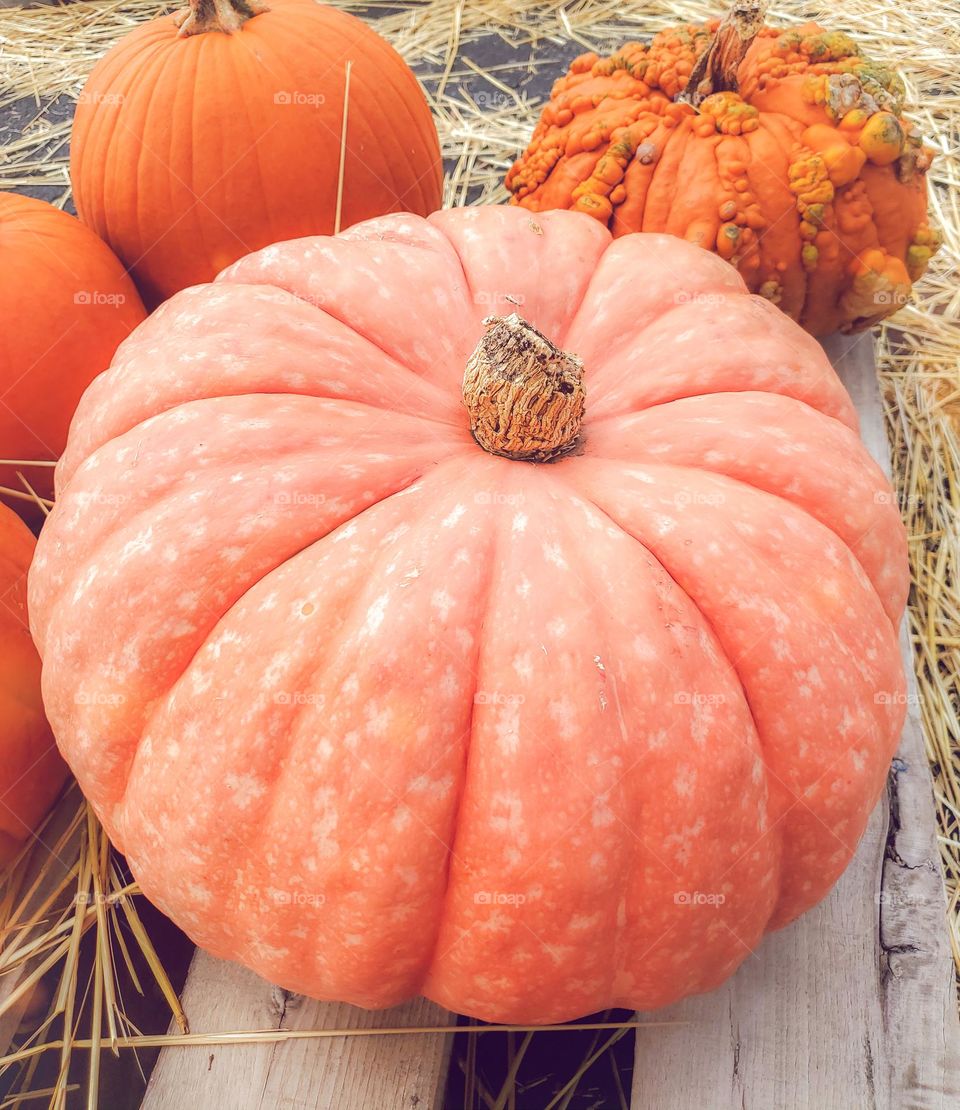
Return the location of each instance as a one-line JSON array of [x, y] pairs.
[[356, 1073], [853, 1006]]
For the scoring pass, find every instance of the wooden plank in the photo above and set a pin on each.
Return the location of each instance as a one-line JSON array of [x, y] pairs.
[[855, 1004], [359, 1073]]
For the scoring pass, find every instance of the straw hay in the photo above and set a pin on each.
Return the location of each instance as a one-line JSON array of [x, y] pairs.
[[45, 55]]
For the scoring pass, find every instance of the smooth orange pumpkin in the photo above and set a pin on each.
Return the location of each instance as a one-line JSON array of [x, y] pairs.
[[796, 163], [208, 134], [378, 711], [31, 770], [66, 303]]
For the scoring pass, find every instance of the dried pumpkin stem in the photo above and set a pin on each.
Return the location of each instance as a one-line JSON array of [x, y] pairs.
[[716, 68], [524, 395], [227, 16]]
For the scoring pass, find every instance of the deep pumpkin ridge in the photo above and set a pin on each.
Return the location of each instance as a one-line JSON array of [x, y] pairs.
[[890, 589], [817, 872]]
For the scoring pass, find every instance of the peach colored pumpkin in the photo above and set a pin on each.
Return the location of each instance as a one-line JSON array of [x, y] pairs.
[[377, 712]]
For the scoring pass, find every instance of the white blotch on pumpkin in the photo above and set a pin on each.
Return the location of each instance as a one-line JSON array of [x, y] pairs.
[[684, 781], [602, 815], [563, 714], [200, 681], [553, 554], [581, 922], [442, 602], [199, 894], [506, 816], [682, 840], [375, 614], [437, 789], [141, 542], [244, 789], [275, 671], [85, 582], [507, 729], [378, 720], [347, 532], [396, 533], [523, 666], [700, 726]]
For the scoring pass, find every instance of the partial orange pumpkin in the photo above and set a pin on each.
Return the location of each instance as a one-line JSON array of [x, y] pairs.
[[784, 151], [67, 304], [205, 135], [31, 770]]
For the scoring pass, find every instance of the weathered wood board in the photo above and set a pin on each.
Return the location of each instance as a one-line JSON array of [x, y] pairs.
[[356, 1073]]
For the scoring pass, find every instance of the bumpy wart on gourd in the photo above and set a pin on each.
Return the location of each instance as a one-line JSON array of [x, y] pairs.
[[785, 152]]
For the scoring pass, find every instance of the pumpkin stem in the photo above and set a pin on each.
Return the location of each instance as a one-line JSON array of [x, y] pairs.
[[716, 68], [524, 395], [227, 16]]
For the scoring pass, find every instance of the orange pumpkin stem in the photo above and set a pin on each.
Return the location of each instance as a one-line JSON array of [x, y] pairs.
[[524, 395], [227, 16], [716, 68]]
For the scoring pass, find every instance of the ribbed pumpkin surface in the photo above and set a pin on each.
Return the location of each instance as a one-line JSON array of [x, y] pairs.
[[802, 171], [379, 713], [188, 153]]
